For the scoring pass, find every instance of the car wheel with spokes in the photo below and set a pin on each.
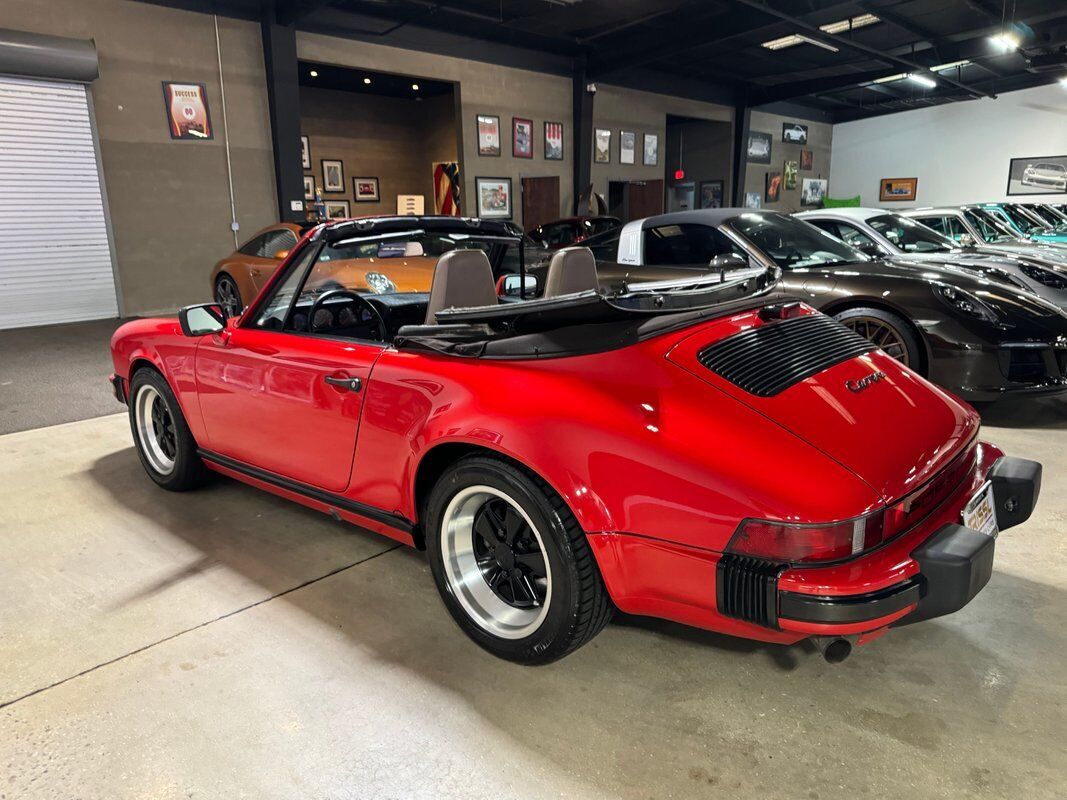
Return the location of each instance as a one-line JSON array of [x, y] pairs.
[[511, 562], [228, 296], [164, 443], [891, 333]]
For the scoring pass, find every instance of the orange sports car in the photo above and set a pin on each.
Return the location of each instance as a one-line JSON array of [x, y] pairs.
[[238, 277]]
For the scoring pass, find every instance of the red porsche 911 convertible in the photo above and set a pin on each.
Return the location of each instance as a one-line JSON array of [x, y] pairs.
[[687, 452]]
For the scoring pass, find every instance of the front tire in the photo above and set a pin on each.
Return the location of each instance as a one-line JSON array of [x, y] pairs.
[[889, 331], [228, 296], [164, 443], [511, 562]]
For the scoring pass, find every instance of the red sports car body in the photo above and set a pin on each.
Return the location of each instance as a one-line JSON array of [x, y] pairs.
[[758, 471]]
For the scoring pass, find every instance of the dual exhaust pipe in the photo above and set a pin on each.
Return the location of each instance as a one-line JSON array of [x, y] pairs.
[[834, 649]]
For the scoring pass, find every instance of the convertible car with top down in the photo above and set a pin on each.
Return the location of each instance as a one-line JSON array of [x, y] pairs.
[[706, 454]]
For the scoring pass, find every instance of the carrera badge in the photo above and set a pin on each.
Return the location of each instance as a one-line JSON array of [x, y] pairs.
[[864, 382]]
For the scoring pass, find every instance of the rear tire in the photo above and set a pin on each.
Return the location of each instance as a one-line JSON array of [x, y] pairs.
[[164, 443], [228, 296], [889, 331], [511, 562]]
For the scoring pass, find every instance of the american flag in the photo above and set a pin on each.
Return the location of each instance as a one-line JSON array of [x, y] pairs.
[[446, 188]]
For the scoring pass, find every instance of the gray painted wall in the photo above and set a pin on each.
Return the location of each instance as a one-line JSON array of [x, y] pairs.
[[170, 206], [820, 139], [702, 149]]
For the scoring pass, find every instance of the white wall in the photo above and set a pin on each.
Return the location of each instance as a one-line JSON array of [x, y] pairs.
[[959, 151]]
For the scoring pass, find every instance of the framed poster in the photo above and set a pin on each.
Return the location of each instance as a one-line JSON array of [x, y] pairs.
[[602, 146], [365, 190], [521, 137], [333, 176], [711, 193], [309, 187], [187, 112], [627, 145], [554, 141], [650, 156], [305, 152], [898, 189], [494, 197], [488, 135], [812, 191], [806, 160], [794, 132], [1039, 175], [337, 209], [752, 200], [772, 186], [759, 147], [789, 171]]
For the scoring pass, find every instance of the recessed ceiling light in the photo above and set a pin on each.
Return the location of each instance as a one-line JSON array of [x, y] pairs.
[[367, 81], [314, 73], [1005, 42], [922, 80], [415, 86]]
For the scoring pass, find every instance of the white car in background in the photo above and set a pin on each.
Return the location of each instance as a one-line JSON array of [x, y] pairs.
[[886, 234], [794, 133], [1044, 174]]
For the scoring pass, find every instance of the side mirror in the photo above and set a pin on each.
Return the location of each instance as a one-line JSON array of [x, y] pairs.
[[511, 287], [728, 261], [281, 255], [200, 320], [869, 249], [966, 240]]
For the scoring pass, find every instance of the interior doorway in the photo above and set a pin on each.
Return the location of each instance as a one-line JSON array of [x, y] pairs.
[[630, 200], [700, 150], [540, 201]]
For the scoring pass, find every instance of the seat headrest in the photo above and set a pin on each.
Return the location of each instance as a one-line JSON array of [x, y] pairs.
[[413, 249], [461, 279], [571, 270]]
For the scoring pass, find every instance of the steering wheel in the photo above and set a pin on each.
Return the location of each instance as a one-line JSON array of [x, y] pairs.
[[361, 302]]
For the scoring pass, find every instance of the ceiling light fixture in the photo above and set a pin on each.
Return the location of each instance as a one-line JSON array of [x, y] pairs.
[[367, 81], [314, 73], [1005, 42], [922, 80], [415, 86], [1063, 81], [891, 78], [843, 25], [950, 65]]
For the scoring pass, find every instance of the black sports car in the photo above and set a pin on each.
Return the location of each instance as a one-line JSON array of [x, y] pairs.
[[977, 337]]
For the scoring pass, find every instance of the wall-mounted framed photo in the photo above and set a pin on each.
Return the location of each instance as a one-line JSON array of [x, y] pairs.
[[365, 190], [337, 209], [789, 173], [807, 160], [794, 133], [305, 152], [602, 146], [488, 135], [494, 197], [772, 186], [812, 191], [554, 141], [309, 187], [627, 146], [521, 137], [759, 147], [903, 189], [752, 199], [711, 193], [1039, 175], [333, 176], [650, 157], [187, 112]]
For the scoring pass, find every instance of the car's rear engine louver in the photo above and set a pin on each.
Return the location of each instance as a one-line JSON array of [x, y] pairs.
[[771, 358], [747, 589]]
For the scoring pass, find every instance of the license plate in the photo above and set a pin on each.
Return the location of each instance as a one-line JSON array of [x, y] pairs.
[[980, 514]]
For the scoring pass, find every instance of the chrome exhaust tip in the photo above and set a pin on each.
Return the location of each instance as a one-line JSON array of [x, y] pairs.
[[834, 649]]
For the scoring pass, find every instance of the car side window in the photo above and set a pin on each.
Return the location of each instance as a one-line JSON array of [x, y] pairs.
[[253, 246], [937, 223], [852, 235], [274, 311], [559, 235], [826, 225], [687, 245], [954, 228]]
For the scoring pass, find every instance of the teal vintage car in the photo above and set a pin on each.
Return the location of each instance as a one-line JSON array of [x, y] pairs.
[[1027, 223]]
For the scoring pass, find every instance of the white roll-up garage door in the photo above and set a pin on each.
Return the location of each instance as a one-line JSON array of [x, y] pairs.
[[55, 259]]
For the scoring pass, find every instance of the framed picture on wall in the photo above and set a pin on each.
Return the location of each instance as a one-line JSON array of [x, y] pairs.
[[1038, 175], [337, 209], [789, 171], [772, 186], [309, 187], [711, 193], [365, 190], [806, 160], [794, 132], [494, 197], [333, 176], [752, 200], [554, 141], [521, 137], [627, 145], [187, 112], [650, 155], [898, 189], [305, 152], [759, 147], [488, 135], [602, 146], [812, 191]]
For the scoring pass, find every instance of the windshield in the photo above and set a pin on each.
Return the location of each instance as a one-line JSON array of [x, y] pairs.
[[1022, 221], [989, 227], [793, 244], [1050, 216], [909, 235]]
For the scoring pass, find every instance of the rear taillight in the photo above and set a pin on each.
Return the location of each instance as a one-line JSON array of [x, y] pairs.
[[807, 544]]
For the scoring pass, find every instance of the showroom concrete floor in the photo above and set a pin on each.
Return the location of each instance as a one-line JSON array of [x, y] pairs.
[[225, 643]]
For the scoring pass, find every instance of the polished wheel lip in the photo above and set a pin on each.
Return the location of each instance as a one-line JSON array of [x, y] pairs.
[[888, 338], [226, 293], [155, 429], [464, 575]]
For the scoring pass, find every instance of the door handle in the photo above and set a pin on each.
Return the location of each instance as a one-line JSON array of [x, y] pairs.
[[349, 384]]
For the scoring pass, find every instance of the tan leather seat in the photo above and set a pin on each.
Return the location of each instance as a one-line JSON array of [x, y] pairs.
[[572, 269], [461, 279]]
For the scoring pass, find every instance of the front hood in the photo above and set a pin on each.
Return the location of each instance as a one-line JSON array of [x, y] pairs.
[[1043, 254], [894, 431]]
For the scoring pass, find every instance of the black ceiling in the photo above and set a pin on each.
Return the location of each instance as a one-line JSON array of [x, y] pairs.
[[712, 48], [365, 81]]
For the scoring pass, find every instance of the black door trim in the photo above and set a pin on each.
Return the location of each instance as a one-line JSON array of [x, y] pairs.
[[397, 521]]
